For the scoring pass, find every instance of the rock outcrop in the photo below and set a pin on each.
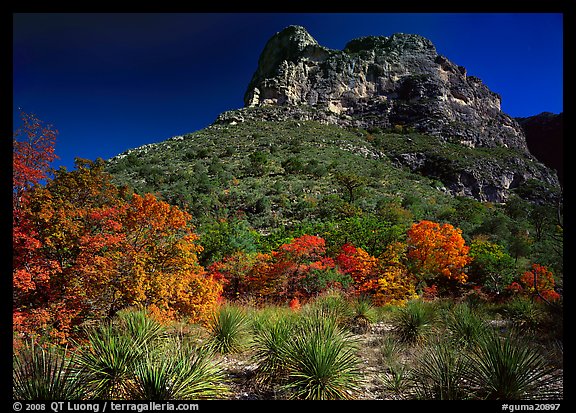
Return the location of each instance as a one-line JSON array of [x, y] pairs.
[[382, 81], [398, 82]]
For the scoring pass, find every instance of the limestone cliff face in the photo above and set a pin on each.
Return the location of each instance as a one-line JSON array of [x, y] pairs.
[[391, 82], [382, 81]]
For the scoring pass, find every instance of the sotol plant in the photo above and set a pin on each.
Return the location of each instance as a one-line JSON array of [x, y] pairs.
[[510, 368], [45, 374], [414, 322], [321, 362], [228, 330], [177, 371]]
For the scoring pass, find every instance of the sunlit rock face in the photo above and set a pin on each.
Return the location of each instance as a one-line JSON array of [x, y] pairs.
[[382, 81], [398, 82]]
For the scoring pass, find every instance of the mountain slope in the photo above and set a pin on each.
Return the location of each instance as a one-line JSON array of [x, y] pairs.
[[328, 134], [275, 172]]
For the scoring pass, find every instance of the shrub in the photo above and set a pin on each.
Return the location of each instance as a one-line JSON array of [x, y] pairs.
[[228, 330], [269, 347], [45, 374], [509, 368], [321, 362], [109, 360], [440, 374], [414, 322], [465, 325], [363, 314], [177, 371]]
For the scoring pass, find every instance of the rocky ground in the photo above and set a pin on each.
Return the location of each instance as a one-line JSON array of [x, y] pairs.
[[241, 369]]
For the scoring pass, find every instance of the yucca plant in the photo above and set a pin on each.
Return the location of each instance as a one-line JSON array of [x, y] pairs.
[[466, 327], [413, 323], [228, 330], [524, 313], [269, 345], [109, 360], [139, 324], [113, 351], [510, 368], [363, 314], [321, 362], [45, 374], [331, 304], [390, 349], [440, 374], [397, 379], [177, 372]]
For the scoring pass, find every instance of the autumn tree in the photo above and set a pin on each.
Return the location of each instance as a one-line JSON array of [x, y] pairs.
[[302, 267], [437, 253], [244, 276], [396, 284], [361, 266], [108, 249], [33, 152], [386, 279], [539, 282], [297, 269]]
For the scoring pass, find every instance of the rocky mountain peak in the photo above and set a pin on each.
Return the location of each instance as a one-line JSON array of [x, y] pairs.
[[396, 84], [382, 81]]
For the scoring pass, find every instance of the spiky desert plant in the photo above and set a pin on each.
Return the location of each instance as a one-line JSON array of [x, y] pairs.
[[440, 373], [269, 345], [178, 371], [330, 304], [465, 326], [114, 349], [109, 359], [390, 349], [524, 312], [139, 324], [414, 322], [321, 362], [363, 314], [510, 368], [228, 330], [397, 379], [45, 374]]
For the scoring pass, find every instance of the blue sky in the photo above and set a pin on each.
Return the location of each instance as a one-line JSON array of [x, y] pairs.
[[111, 82]]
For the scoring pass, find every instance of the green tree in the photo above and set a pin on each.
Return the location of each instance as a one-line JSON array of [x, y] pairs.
[[350, 184], [492, 267]]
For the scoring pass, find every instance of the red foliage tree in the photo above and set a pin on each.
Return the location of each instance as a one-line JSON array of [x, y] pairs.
[[103, 249], [539, 281], [437, 252]]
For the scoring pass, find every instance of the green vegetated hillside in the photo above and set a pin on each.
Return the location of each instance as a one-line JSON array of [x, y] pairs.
[[274, 173], [252, 185]]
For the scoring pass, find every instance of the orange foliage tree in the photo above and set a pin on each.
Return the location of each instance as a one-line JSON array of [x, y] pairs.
[[33, 151], [301, 268], [385, 279], [539, 281], [437, 253], [244, 276], [361, 266], [106, 249]]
